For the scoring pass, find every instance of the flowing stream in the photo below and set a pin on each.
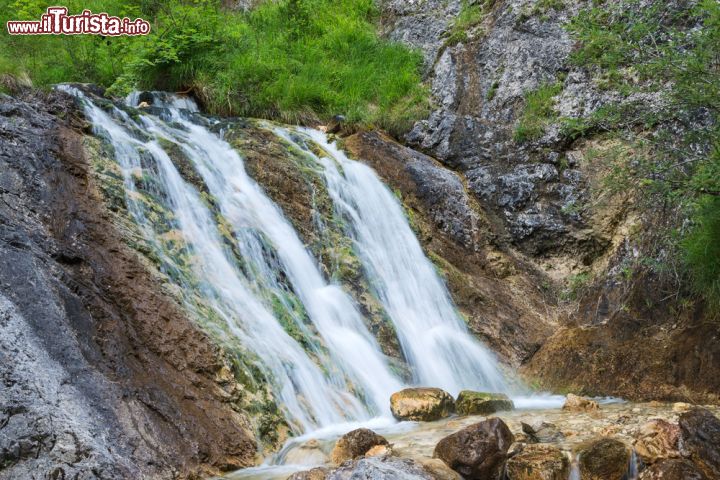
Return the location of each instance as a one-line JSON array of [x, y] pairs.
[[239, 264]]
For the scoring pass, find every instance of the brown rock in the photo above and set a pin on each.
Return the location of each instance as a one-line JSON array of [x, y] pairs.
[[575, 403], [438, 469], [421, 404], [355, 444], [478, 451], [538, 462], [700, 440], [657, 440], [542, 432], [479, 403], [603, 459], [319, 473], [672, 469]]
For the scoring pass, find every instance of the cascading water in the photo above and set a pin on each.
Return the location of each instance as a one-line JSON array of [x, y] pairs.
[[311, 395], [239, 262], [435, 341]]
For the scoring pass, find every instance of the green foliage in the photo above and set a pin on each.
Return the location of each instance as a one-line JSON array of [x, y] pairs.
[[701, 247], [539, 112], [293, 60], [576, 284], [674, 50], [471, 14]]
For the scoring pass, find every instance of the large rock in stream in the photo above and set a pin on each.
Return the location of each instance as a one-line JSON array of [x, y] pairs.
[[355, 444], [477, 452], [603, 459], [700, 440], [479, 403], [421, 404]]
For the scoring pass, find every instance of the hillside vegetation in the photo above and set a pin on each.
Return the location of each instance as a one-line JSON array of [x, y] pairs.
[[293, 60]]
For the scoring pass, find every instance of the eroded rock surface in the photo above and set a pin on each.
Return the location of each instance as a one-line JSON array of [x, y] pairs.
[[356, 444], [538, 462], [103, 375]]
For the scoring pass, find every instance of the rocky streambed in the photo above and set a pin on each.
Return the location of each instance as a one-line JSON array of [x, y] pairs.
[[607, 439]]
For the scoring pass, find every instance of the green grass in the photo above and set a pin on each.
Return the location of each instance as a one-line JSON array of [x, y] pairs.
[[539, 112], [471, 14], [291, 60]]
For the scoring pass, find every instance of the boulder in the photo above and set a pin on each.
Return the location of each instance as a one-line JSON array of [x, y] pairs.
[[479, 403], [672, 469], [355, 444], [438, 470], [421, 404], [575, 403], [538, 462], [657, 440], [603, 459], [700, 440], [380, 468], [478, 451], [542, 432], [319, 473]]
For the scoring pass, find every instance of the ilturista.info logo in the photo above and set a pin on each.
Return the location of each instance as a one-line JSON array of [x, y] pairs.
[[56, 21]]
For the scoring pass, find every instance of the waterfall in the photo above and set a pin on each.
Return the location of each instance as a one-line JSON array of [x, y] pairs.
[[348, 379], [243, 270], [434, 338]]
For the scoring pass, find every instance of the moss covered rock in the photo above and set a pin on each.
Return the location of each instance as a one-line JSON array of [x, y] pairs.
[[480, 403]]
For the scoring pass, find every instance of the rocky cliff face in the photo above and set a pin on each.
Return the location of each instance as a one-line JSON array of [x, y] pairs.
[[542, 194], [103, 375]]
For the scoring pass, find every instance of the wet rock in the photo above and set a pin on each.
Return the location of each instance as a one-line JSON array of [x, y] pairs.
[[657, 440], [478, 451], [309, 453], [575, 403], [603, 459], [538, 462], [380, 468], [438, 469], [355, 444], [700, 440], [479, 403], [672, 469], [421, 404], [681, 407], [542, 432], [319, 473]]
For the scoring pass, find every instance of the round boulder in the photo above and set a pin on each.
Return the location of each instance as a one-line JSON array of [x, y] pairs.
[[477, 452], [604, 459], [380, 468], [355, 444], [538, 462], [575, 403], [700, 440], [421, 404], [479, 403]]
